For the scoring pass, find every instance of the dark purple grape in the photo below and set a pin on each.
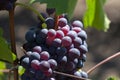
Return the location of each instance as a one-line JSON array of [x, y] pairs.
[[77, 42], [53, 63], [35, 64], [83, 49], [44, 55], [50, 22], [44, 65], [31, 73], [37, 49], [35, 55], [30, 36], [66, 41], [51, 33], [62, 22], [56, 42], [25, 62], [80, 64], [48, 73], [70, 66], [62, 60], [82, 34], [59, 34], [9, 6], [72, 34], [74, 53], [61, 51], [24, 77], [39, 75]]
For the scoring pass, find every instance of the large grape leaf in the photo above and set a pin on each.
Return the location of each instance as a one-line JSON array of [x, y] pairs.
[[5, 52], [95, 15], [62, 6]]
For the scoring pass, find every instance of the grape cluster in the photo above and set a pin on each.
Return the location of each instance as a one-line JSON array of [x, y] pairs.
[[49, 50], [6, 4]]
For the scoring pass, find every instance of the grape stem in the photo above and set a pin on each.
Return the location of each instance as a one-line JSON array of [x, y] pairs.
[[12, 38], [56, 22], [32, 9], [69, 75], [104, 61]]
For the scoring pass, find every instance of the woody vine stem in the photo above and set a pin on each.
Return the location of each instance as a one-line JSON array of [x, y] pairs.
[[12, 38]]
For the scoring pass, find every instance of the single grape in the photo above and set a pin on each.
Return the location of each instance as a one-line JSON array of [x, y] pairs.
[[51, 33], [25, 62], [84, 74], [49, 40], [77, 23], [39, 75], [72, 34], [35, 55], [30, 36], [62, 22], [44, 65], [52, 50], [35, 64], [37, 49], [44, 55], [28, 53], [83, 49], [75, 61], [80, 64], [61, 51], [65, 30], [74, 53], [53, 63], [62, 60], [77, 73], [50, 22], [76, 29], [48, 73], [70, 66], [82, 34], [83, 57], [77, 42], [43, 33], [66, 41], [59, 34], [56, 42], [31, 73]]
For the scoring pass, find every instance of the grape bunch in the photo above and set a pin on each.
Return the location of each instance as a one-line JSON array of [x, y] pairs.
[[7, 4], [48, 49]]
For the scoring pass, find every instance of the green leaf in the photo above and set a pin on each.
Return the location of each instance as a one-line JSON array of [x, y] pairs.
[[95, 15], [5, 52], [21, 70], [62, 6], [112, 78], [2, 66]]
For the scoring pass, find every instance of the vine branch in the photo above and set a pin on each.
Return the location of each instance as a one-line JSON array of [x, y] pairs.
[[12, 38], [104, 61], [32, 9]]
